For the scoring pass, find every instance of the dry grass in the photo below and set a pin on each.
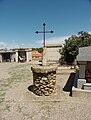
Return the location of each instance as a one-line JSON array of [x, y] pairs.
[[17, 103]]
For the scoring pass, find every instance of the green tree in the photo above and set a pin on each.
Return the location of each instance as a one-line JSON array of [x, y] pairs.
[[40, 50], [72, 44]]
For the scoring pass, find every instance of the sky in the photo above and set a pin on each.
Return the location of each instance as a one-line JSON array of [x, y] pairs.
[[20, 19]]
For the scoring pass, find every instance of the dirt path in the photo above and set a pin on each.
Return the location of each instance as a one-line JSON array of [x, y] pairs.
[[18, 103]]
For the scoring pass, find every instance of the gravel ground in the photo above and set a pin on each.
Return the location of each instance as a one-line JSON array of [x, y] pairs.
[[18, 103]]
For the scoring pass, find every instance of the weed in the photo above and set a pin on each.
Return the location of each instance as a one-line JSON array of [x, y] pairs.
[[19, 109], [7, 108]]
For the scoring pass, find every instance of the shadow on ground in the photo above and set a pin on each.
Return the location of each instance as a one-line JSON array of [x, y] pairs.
[[69, 84], [30, 88]]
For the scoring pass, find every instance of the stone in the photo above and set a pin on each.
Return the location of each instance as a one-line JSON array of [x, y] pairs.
[[54, 77], [48, 85], [41, 81], [80, 83], [51, 86], [46, 93], [46, 88], [44, 79], [53, 81], [36, 85], [41, 86], [50, 90]]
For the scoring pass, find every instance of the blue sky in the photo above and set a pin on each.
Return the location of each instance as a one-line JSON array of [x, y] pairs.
[[19, 19]]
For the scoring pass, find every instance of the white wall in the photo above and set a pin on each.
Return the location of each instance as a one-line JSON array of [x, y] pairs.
[[53, 53], [0, 58], [29, 55]]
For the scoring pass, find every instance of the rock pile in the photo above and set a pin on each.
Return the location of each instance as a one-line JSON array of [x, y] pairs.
[[44, 80]]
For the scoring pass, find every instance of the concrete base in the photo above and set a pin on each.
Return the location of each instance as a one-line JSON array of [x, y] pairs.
[[81, 93], [87, 86], [80, 83]]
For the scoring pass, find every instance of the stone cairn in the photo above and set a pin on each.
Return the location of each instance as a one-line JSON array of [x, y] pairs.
[[44, 80]]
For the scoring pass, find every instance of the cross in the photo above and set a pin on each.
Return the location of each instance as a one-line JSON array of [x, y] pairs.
[[44, 32]]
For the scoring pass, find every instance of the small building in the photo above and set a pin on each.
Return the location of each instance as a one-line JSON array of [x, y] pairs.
[[84, 63], [23, 54], [36, 55], [52, 52], [16, 55], [7, 55]]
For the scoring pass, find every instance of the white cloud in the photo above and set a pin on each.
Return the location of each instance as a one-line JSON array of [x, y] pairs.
[[13, 44], [38, 43], [8, 45], [59, 40], [89, 32], [54, 40], [3, 45]]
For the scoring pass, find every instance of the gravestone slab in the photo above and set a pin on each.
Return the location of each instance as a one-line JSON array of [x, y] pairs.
[[87, 86], [80, 83]]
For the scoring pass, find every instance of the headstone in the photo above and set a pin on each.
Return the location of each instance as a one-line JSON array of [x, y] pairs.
[[84, 63], [80, 83]]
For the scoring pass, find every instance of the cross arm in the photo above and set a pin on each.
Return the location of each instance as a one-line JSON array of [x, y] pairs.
[[44, 32]]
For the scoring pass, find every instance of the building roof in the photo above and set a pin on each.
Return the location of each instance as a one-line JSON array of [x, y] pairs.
[[84, 54], [22, 49], [53, 45], [6, 51], [35, 53]]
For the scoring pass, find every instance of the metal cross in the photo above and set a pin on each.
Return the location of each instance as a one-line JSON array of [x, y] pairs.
[[44, 31]]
